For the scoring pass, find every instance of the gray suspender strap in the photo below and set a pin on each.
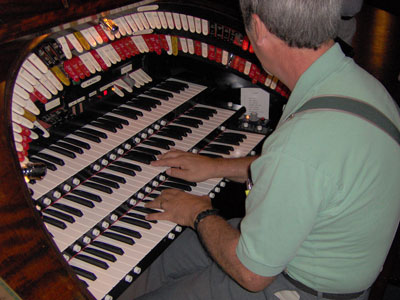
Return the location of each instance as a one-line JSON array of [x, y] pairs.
[[355, 107]]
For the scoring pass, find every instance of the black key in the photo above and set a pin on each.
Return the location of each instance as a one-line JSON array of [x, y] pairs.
[[155, 94], [147, 150], [173, 132], [176, 185], [198, 115], [126, 231], [145, 210], [84, 273], [54, 222], [195, 123], [112, 177], [125, 114], [122, 170], [87, 195], [94, 132], [84, 283], [180, 84], [93, 261], [128, 165], [69, 147], [110, 123], [136, 222], [79, 200], [62, 151], [140, 157], [156, 144], [106, 182], [148, 99], [168, 87], [108, 247], [130, 110], [140, 217], [162, 141], [87, 136], [210, 111], [51, 158], [99, 187], [235, 135], [182, 181], [119, 237], [103, 126], [227, 141], [49, 165], [140, 105], [68, 209], [178, 128], [115, 119], [164, 93], [59, 215], [77, 143], [101, 254], [170, 134], [219, 148]]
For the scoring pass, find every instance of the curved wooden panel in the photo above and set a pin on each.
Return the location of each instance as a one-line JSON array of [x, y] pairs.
[[30, 263]]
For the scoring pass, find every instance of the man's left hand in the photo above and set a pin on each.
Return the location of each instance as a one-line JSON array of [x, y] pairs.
[[179, 207]]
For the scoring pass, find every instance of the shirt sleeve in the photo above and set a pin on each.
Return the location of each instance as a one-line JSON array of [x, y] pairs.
[[280, 211]]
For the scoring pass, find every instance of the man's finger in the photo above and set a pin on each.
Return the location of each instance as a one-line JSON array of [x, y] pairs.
[[156, 216], [176, 172]]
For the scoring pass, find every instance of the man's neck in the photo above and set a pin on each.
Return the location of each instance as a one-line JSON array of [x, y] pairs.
[[296, 61]]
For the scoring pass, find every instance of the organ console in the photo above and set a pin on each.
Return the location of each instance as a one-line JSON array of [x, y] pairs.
[[93, 91]]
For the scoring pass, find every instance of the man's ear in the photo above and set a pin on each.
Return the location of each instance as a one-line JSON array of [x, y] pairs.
[[260, 31]]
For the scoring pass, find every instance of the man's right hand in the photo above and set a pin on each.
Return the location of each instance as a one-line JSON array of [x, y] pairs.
[[187, 166]]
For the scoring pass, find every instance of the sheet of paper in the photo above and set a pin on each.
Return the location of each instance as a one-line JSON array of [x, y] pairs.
[[256, 100]]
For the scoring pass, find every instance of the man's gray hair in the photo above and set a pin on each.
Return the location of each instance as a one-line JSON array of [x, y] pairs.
[[299, 23]]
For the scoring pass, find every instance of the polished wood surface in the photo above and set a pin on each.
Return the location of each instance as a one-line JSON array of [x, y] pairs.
[[377, 46], [30, 263], [24, 17]]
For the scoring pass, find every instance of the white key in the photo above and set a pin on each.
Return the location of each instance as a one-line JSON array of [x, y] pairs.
[[33, 58], [177, 21], [163, 20], [75, 43], [184, 22], [65, 47], [143, 19], [192, 26], [88, 36], [131, 23]]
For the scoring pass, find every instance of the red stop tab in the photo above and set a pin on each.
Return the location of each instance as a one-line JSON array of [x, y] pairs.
[[197, 47], [39, 96], [82, 67], [99, 60], [118, 49], [101, 32], [211, 52], [70, 70], [163, 41]]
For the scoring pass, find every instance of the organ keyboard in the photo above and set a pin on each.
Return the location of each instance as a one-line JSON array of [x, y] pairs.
[[96, 101]]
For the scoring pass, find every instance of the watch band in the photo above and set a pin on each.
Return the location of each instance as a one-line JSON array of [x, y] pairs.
[[203, 214]]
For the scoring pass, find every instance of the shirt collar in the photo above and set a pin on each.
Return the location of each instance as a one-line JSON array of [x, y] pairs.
[[308, 83]]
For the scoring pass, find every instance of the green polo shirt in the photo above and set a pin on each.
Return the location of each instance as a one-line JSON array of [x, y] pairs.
[[325, 203]]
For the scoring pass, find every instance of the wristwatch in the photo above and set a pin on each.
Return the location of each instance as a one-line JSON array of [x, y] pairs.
[[203, 214]]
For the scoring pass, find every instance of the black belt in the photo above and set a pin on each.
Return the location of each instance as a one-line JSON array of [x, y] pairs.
[[311, 291]]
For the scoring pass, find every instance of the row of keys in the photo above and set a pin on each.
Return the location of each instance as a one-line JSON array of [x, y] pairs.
[[115, 254]]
